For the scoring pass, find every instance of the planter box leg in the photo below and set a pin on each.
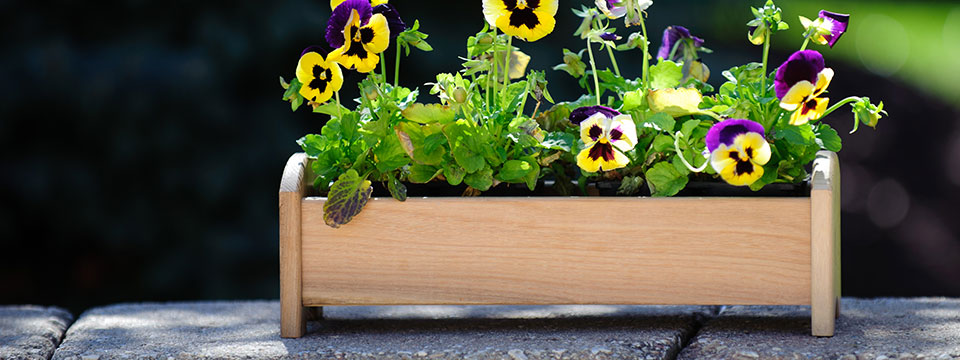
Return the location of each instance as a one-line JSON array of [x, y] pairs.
[[293, 321], [825, 244]]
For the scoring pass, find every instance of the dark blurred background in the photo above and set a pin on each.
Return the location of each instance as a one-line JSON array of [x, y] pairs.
[[143, 141]]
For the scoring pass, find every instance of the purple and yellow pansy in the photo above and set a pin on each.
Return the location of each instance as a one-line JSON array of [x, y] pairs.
[[529, 20], [319, 77], [613, 9], [358, 35], [335, 3], [606, 138], [799, 83], [738, 151], [827, 28]]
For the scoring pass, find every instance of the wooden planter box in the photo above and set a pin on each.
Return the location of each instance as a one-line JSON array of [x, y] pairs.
[[564, 250]]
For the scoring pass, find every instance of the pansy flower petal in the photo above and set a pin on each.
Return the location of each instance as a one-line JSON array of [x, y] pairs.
[[582, 113], [318, 78], [529, 20], [725, 132], [623, 132], [797, 95], [672, 35], [755, 147], [592, 128], [601, 156], [375, 35], [837, 25], [812, 109], [823, 81], [394, 21], [341, 16], [611, 8], [802, 65]]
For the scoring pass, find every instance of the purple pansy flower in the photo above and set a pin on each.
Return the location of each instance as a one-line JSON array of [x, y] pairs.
[[726, 131], [672, 35], [835, 23], [580, 114], [613, 9], [608, 36], [340, 16], [802, 65], [394, 21]]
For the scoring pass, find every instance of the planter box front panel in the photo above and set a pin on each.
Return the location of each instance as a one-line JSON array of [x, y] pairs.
[[560, 251]]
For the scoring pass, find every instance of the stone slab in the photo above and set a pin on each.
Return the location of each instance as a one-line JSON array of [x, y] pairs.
[[250, 329], [31, 332], [916, 328]]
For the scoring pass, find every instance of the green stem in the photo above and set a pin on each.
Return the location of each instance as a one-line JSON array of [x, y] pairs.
[[839, 104], [805, 42], [593, 65], [383, 70], [646, 54], [396, 71], [676, 147], [613, 59], [523, 102], [506, 71], [339, 112], [766, 53]]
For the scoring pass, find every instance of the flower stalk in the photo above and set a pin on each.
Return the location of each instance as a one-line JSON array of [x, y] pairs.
[[506, 71], [593, 66], [613, 59], [646, 54]]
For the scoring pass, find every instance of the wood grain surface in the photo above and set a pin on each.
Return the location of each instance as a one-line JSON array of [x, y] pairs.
[[555, 250]]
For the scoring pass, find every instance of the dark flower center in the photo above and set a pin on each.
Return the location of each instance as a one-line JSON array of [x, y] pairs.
[[808, 106], [356, 46], [523, 14], [616, 134], [744, 167], [321, 77], [595, 132], [602, 150]]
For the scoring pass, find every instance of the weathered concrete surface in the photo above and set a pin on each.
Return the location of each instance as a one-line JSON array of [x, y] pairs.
[[927, 328], [234, 330], [31, 332]]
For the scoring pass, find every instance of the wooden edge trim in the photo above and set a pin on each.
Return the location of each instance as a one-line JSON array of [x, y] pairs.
[[293, 174], [826, 171], [293, 323], [825, 243]]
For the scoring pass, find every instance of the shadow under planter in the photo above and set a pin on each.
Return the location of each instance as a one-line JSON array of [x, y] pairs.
[[564, 250]]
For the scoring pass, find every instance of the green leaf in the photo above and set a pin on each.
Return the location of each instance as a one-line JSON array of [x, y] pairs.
[[397, 189], [514, 170], [295, 104], [630, 185], [662, 143], [470, 160], [413, 138], [828, 138], [422, 174], [662, 121], [666, 74], [665, 180], [346, 199], [481, 180], [430, 113], [331, 108], [389, 154], [432, 143], [349, 123], [515, 93], [559, 140], [531, 177], [632, 100], [798, 135], [688, 127], [313, 144], [453, 173], [293, 89]]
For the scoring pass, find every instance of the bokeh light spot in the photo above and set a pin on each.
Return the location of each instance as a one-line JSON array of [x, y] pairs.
[[882, 44], [887, 203]]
